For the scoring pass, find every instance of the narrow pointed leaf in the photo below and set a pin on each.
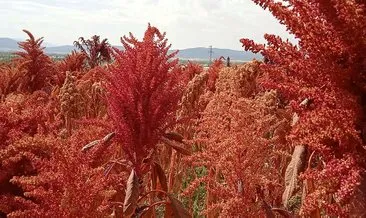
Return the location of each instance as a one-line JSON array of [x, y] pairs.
[[90, 145], [174, 136], [295, 119], [161, 175], [176, 147], [305, 102], [132, 195], [154, 177], [105, 139], [108, 137], [293, 169], [168, 211], [176, 209]]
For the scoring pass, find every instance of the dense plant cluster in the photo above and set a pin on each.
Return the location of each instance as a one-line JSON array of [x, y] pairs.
[[238, 136], [134, 133], [145, 87], [42, 132], [323, 79]]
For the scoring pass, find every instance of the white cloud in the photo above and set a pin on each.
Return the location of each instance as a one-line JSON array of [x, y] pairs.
[[188, 23]]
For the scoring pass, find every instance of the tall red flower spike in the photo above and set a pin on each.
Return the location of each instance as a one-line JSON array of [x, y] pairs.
[[36, 65], [144, 89]]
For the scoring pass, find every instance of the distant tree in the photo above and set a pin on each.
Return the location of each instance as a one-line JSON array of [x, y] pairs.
[[96, 51]]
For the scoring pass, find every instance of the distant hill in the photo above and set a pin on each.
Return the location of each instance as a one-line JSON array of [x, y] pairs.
[[203, 54], [7, 44], [199, 53], [64, 49]]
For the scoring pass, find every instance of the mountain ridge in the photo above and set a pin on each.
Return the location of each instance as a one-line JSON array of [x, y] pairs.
[[200, 53]]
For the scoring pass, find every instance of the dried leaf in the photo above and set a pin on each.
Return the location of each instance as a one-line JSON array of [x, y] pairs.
[[90, 145], [174, 136], [105, 139], [108, 137], [161, 175], [176, 147], [240, 187], [293, 169], [132, 195], [295, 119], [175, 209], [305, 102]]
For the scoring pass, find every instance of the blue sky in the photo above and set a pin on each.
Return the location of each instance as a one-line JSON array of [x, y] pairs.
[[188, 23]]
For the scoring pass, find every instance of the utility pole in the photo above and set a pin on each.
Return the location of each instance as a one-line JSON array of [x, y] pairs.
[[210, 52]]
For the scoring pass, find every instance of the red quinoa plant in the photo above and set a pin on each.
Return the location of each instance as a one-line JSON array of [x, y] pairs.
[[213, 73], [192, 69], [144, 87], [239, 141], [143, 93], [11, 76], [37, 67], [323, 79], [24, 124], [65, 182], [72, 62], [43, 171]]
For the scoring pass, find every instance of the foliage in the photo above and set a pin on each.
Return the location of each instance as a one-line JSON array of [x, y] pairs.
[[36, 67], [72, 62], [323, 79], [43, 171], [232, 134], [70, 100], [192, 69], [213, 72], [143, 92], [24, 122], [281, 137], [83, 191], [10, 82], [95, 51]]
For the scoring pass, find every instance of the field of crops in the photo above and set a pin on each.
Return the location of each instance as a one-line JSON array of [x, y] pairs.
[[104, 132]]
